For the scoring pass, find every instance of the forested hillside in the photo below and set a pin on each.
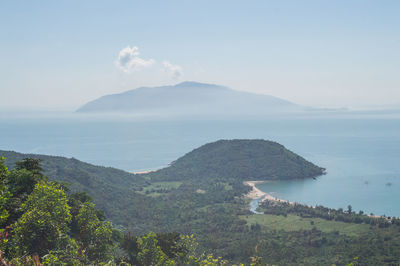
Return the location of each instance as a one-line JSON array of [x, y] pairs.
[[200, 195], [42, 223], [81, 175], [223, 164], [240, 160], [112, 189]]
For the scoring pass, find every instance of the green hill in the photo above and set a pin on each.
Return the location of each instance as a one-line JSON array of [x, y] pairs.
[[109, 187], [81, 175], [239, 159]]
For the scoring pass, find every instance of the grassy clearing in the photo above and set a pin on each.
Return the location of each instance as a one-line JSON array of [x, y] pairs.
[[295, 223], [227, 186], [158, 188]]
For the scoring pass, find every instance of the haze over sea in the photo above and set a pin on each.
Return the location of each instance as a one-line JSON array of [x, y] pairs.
[[360, 152]]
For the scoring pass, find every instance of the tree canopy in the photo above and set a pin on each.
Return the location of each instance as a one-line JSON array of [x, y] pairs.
[[51, 227]]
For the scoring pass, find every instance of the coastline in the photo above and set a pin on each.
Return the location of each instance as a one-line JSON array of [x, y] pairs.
[[256, 193]]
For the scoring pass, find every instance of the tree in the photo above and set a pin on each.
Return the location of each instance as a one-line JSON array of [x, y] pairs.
[[65, 252], [20, 183], [4, 192], [94, 235], [25, 175], [3, 169], [130, 246], [189, 256], [44, 220], [30, 164], [349, 209], [169, 243], [150, 253], [4, 199]]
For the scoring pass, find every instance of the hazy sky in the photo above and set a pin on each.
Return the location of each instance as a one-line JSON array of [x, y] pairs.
[[60, 54]]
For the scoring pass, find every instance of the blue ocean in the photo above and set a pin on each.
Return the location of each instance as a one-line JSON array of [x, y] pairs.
[[361, 153]]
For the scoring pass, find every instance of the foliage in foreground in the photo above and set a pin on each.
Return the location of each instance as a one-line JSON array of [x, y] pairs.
[[212, 208], [39, 218], [43, 225]]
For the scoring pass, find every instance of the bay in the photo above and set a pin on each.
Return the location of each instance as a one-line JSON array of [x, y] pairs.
[[361, 154]]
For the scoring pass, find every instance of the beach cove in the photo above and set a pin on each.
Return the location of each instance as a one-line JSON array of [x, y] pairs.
[[257, 196]]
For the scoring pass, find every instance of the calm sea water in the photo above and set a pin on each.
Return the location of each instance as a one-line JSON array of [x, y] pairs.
[[361, 155]]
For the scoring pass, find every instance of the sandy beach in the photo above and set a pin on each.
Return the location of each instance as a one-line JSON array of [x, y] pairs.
[[255, 193], [143, 172]]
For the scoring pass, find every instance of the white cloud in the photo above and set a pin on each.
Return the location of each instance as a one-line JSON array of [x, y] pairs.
[[173, 71], [129, 60]]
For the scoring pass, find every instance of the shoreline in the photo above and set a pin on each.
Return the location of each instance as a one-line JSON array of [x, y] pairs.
[[256, 193], [143, 172]]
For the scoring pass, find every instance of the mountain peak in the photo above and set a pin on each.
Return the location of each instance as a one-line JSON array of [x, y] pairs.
[[194, 84]]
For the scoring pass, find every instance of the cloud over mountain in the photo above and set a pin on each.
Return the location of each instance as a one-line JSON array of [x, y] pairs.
[[129, 61], [173, 71]]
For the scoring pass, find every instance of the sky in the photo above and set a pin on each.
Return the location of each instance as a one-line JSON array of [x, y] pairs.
[[61, 54]]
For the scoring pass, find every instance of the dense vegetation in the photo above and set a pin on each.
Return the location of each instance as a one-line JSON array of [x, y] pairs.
[[39, 219], [213, 209], [80, 175], [111, 188], [348, 216], [240, 160], [42, 224]]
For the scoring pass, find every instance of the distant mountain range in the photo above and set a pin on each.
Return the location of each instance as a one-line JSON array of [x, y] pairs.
[[189, 98]]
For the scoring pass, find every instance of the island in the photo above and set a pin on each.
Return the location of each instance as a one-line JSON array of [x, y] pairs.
[[189, 97]]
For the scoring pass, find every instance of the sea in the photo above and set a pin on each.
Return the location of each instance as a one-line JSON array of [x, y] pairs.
[[360, 150]]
